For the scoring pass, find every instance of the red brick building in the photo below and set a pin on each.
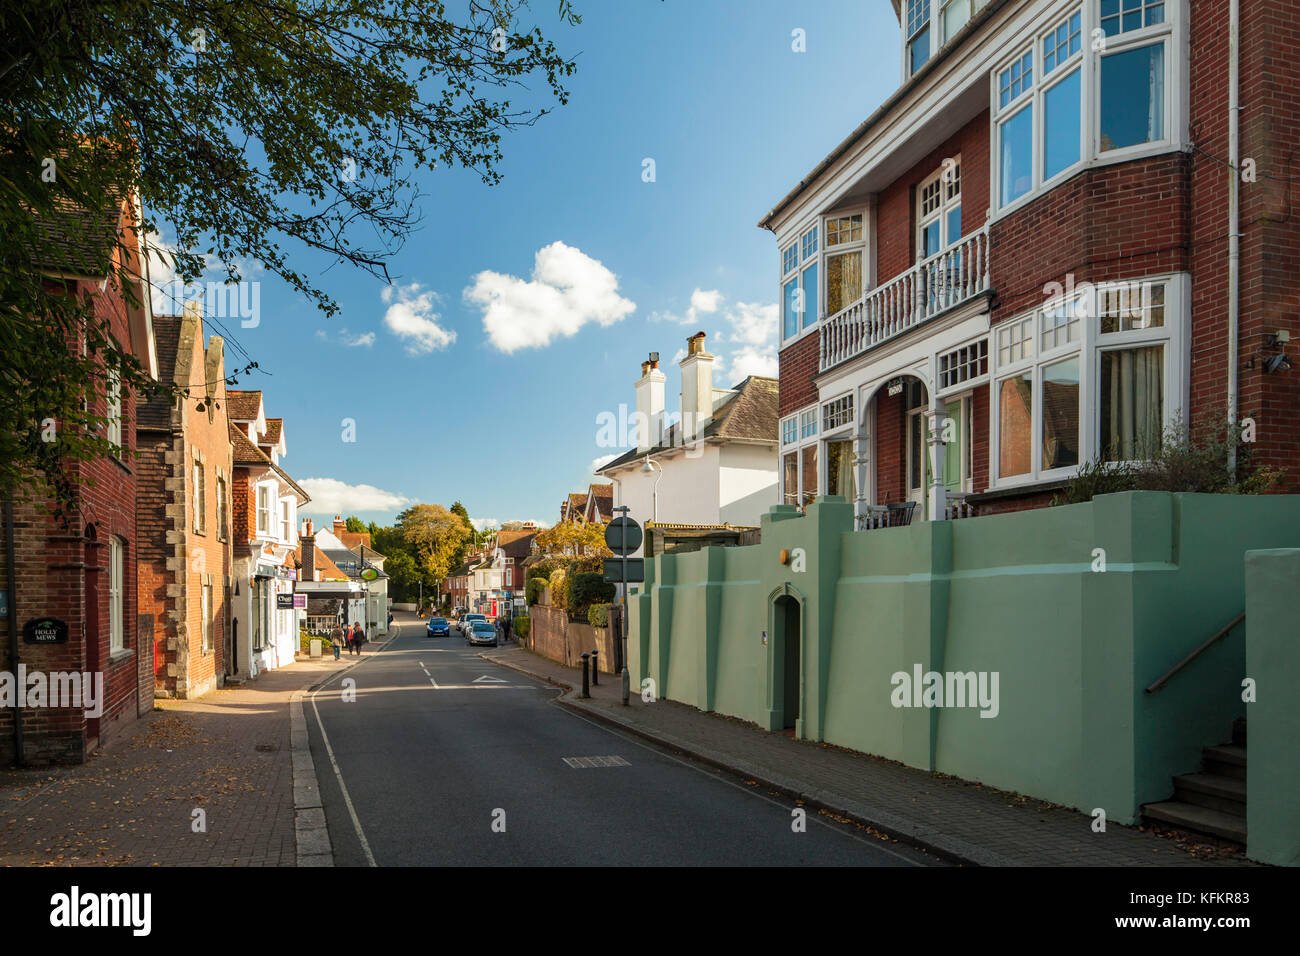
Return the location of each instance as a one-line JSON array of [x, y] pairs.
[[83, 572], [1019, 263], [184, 529]]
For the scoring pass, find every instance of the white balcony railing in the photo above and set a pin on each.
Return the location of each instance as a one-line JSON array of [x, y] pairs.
[[929, 288]]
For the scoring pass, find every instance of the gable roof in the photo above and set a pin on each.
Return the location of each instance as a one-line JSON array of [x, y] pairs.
[[749, 414], [274, 431], [244, 452], [600, 502], [76, 241], [242, 406]]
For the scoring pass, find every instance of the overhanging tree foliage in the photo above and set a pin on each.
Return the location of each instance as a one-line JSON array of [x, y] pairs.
[[250, 131]]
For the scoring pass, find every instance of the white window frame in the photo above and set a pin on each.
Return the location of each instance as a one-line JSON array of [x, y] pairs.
[[1172, 33], [949, 199], [264, 510], [200, 502], [116, 595], [286, 521], [844, 431], [930, 21], [848, 246], [796, 258], [796, 448], [205, 609], [1174, 335], [113, 408]]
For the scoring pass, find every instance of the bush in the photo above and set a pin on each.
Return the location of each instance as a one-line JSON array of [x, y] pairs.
[[545, 567], [522, 625], [1191, 460], [533, 590], [305, 639], [598, 615], [587, 564], [586, 589], [559, 592]]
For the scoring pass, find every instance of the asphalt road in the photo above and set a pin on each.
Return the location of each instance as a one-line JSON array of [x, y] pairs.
[[443, 758]]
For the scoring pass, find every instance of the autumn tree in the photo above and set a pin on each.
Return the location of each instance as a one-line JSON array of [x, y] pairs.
[[573, 538], [247, 131], [438, 537]]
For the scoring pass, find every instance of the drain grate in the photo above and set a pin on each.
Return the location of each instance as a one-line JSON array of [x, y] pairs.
[[266, 748], [613, 761]]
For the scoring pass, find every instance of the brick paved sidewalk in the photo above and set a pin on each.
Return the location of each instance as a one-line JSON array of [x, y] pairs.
[[131, 803], [956, 818]]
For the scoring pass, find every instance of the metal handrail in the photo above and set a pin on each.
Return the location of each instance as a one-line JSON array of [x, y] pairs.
[[1218, 635]]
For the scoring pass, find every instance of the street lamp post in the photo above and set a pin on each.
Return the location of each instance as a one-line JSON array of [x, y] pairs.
[[649, 468]]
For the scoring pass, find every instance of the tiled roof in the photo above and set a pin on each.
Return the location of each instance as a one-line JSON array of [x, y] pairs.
[[75, 241], [519, 546], [274, 429], [244, 452], [242, 406], [355, 539], [749, 414], [156, 413]]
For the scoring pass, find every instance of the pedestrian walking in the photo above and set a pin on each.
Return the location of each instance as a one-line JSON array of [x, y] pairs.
[[336, 640], [358, 637], [505, 629]]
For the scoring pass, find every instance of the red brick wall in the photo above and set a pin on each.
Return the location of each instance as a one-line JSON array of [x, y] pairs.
[[896, 204], [798, 366], [891, 448], [62, 571]]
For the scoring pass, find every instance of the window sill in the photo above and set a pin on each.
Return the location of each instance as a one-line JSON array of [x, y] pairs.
[[119, 655]]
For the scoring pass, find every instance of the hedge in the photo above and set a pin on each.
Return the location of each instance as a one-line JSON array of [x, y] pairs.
[[559, 588], [586, 589], [598, 615], [522, 625]]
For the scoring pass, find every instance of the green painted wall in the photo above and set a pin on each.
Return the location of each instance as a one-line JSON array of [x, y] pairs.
[[1073, 648], [1273, 661]]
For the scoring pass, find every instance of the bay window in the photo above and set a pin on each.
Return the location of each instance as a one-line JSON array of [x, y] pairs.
[[1121, 342], [1064, 99]]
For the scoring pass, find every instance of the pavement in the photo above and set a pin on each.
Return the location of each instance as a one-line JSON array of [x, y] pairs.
[[961, 821], [429, 755], [208, 782]]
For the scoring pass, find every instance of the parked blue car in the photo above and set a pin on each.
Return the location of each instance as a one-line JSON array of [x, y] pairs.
[[438, 627]]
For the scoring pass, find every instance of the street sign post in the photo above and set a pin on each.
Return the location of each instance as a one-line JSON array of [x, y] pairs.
[[631, 570], [623, 536]]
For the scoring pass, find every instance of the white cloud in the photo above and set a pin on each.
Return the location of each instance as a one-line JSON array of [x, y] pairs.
[[601, 462], [331, 496], [568, 289], [366, 339], [482, 524], [412, 316]]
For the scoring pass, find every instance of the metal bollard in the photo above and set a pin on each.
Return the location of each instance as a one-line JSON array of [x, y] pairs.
[[586, 690], [595, 671]]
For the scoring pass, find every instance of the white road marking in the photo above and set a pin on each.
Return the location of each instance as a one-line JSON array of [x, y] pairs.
[[343, 787]]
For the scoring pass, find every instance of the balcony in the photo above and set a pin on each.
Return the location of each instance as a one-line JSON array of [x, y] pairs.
[[928, 289]]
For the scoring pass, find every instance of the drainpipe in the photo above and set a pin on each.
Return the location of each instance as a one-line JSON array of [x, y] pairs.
[[1234, 238], [13, 630]]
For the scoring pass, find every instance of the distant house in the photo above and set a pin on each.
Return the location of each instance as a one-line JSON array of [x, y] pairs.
[[354, 560], [600, 504], [716, 466], [264, 632], [516, 548]]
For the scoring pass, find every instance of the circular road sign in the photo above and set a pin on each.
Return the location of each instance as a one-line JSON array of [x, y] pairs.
[[623, 535], [369, 574]]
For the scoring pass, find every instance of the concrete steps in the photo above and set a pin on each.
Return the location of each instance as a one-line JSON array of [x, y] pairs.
[[1211, 801]]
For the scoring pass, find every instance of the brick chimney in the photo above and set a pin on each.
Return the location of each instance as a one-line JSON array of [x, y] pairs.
[[697, 387], [339, 526], [308, 543], [650, 404]]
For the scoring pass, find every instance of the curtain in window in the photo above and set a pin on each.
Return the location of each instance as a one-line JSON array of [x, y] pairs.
[[839, 469], [843, 281], [1132, 402]]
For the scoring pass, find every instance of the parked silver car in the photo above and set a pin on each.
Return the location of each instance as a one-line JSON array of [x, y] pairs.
[[482, 632]]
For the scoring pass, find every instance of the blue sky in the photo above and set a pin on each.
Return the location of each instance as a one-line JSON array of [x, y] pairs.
[[732, 117]]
